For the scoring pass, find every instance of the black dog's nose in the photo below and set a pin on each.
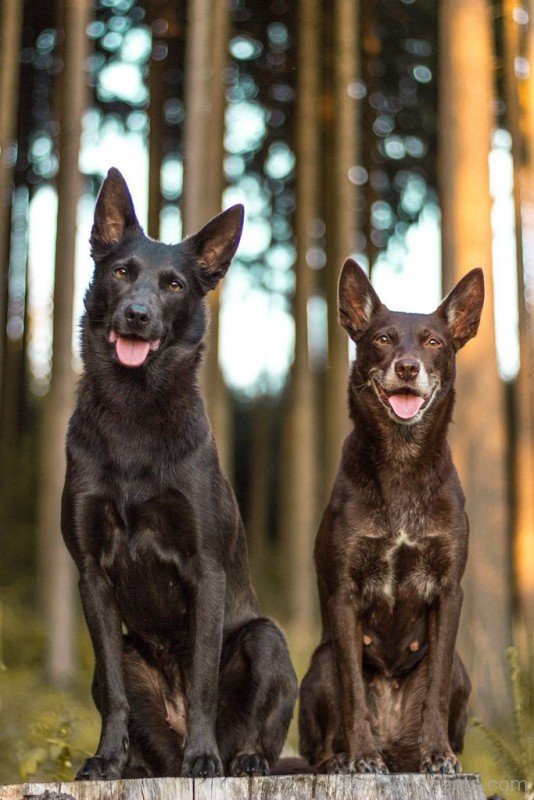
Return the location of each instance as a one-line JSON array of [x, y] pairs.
[[137, 314], [407, 368]]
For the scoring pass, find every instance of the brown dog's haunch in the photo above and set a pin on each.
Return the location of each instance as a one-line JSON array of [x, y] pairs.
[[385, 689], [201, 684]]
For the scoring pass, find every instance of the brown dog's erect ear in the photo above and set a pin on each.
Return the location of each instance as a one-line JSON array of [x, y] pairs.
[[215, 244], [463, 306], [357, 299], [114, 215]]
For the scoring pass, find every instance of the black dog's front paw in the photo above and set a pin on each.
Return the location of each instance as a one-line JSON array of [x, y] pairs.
[[442, 762], [202, 765], [99, 769], [249, 764]]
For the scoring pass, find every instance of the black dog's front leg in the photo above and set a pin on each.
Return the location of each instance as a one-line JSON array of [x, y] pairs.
[[104, 623], [201, 755]]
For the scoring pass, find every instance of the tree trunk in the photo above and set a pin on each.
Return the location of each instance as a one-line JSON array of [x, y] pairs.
[[166, 10], [303, 787], [258, 493], [299, 517], [198, 78], [12, 389], [155, 145], [523, 444], [56, 571], [219, 401], [478, 436], [343, 226], [10, 36], [208, 26]]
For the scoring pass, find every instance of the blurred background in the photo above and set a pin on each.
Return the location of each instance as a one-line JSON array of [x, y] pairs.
[[400, 132]]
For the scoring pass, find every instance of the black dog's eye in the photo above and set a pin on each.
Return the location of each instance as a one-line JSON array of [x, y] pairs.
[[176, 286], [120, 272], [434, 342], [382, 339]]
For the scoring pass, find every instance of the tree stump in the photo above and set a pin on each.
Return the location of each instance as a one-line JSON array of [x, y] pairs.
[[410, 786]]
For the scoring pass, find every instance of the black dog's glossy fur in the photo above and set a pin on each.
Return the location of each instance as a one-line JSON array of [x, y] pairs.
[[199, 684]]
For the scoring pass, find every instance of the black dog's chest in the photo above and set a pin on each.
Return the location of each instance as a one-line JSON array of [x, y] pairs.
[[146, 552], [151, 596]]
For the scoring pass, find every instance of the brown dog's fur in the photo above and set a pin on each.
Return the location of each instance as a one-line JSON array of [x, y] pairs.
[[385, 689]]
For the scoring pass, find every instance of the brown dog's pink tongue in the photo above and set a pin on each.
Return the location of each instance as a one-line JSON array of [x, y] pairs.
[[131, 352], [405, 406]]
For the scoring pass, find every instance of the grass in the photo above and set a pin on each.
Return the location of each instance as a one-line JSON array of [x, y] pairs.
[[45, 733]]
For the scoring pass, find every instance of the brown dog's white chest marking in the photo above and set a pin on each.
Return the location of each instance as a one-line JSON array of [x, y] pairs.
[[385, 586], [390, 582]]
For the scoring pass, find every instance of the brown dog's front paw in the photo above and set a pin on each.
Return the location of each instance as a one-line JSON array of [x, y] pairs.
[[442, 762], [249, 764], [373, 763], [339, 764], [99, 768], [202, 765]]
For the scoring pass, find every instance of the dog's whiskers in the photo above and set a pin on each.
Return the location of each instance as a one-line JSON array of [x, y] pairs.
[[361, 387]]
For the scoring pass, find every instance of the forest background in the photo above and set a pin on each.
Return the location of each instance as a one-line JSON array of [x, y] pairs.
[[398, 131]]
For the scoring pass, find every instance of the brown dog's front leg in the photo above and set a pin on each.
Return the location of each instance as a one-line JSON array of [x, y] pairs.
[[201, 755], [347, 635], [436, 752]]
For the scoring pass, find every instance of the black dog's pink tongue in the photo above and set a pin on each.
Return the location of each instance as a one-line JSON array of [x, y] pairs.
[[131, 352], [405, 406]]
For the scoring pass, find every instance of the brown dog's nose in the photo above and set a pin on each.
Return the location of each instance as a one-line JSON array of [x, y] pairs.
[[407, 368]]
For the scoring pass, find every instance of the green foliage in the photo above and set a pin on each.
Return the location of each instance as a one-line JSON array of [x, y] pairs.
[[51, 754], [515, 760], [3, 667], [22, 637], [45, 734], [521, 712]]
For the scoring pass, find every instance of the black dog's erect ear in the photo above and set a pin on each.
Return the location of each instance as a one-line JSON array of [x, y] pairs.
[[463, 306], [114, 215], [215, 244], [357, 299]]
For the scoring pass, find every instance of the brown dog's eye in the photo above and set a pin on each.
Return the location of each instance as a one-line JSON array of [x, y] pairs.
[[434, 343], [120, 272], [176, 286], [382, 339]]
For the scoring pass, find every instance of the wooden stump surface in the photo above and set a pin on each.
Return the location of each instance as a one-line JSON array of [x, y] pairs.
[[301, 787]]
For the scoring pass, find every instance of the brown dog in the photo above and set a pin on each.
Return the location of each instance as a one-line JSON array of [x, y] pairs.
[[385, 689]]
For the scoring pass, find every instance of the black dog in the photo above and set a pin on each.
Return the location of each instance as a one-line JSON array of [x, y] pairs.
[[385, 688], [200, 685]]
